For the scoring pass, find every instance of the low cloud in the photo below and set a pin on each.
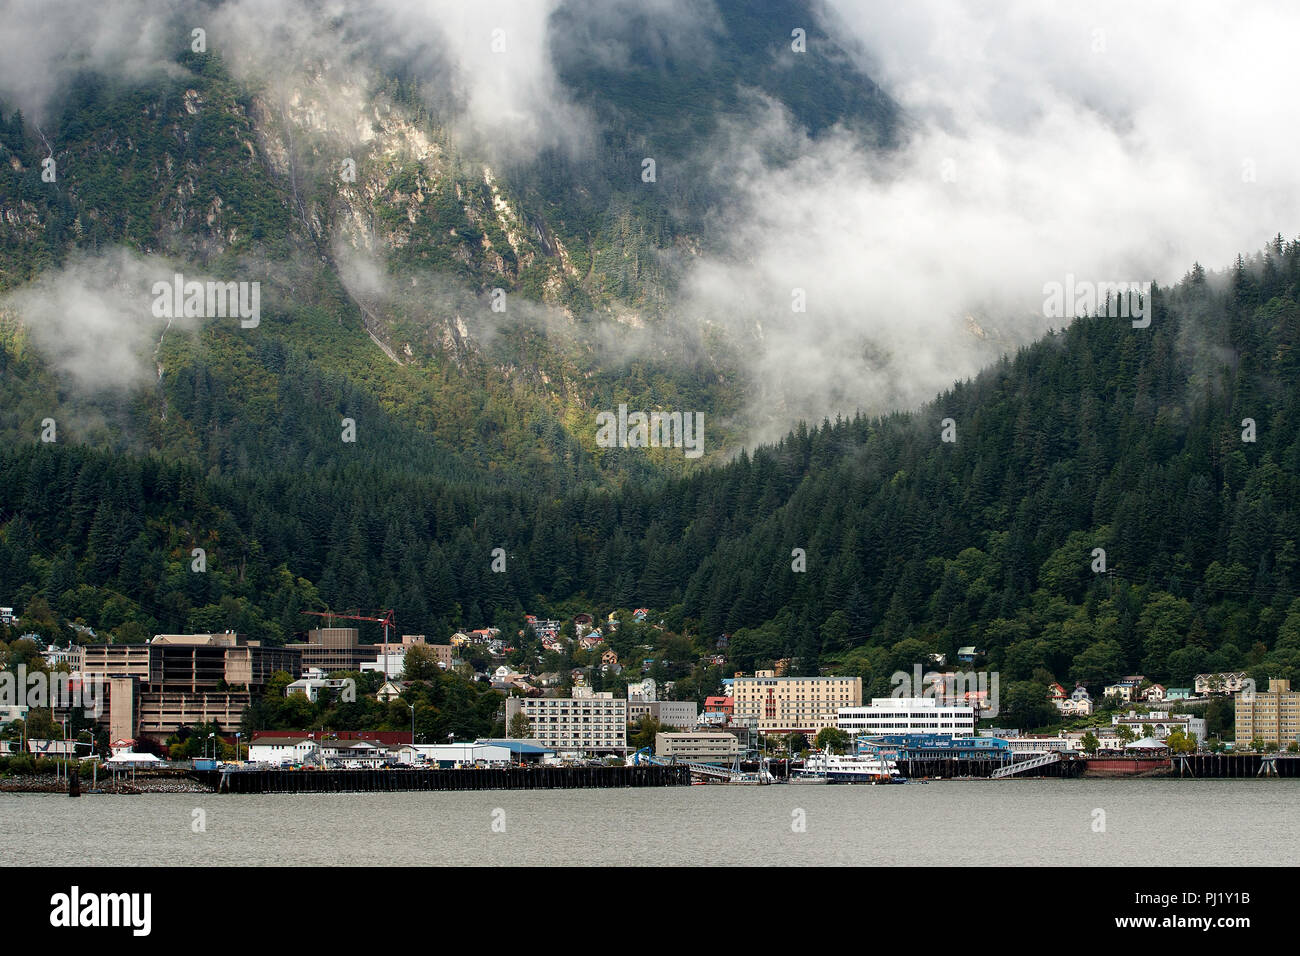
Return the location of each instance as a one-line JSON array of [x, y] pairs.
[[485, 67], [46, 43], [92, 319], [1110, 142]]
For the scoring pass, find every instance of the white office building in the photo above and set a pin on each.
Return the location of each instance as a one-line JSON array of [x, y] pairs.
[[907, 715], [588, 722], [455, 755], [281, 751], [1040, 744], [670, 713], [1159, 724], [391, 665]]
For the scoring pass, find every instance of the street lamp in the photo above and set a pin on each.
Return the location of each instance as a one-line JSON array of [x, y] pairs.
[[412, 706]]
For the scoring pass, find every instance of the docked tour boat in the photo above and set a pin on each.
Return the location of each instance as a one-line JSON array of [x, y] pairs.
[[841, 768]]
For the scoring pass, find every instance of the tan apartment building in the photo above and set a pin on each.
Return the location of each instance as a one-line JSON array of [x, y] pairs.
[[1272, 716], [442, 653], [588, 721], [785, 705], [717, 747]]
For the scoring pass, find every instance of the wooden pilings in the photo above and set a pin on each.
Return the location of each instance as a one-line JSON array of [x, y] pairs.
[[918, 767], [393, 780], [1236, 765]]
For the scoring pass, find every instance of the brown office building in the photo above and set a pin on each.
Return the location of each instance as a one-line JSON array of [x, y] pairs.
[[337, 649], [179, 680]]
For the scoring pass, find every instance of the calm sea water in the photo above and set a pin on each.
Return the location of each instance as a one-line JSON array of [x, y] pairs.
[[1039, 822]]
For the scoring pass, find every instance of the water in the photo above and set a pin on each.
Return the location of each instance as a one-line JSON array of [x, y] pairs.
[[1023, 822]]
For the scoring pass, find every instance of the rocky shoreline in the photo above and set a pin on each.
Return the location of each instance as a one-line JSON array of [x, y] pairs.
[[47, 783]]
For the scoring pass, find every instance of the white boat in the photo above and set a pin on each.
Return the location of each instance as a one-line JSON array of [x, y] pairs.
[[760, 778], [842, 768]]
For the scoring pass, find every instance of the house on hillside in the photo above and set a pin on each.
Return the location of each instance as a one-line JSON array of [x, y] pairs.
[[1125, 688], [311, 687], [1079, 704], [1076, 704], [1154, 693], [1226, 682]]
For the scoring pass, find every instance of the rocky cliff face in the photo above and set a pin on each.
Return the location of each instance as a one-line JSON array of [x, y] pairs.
[[378, 240]]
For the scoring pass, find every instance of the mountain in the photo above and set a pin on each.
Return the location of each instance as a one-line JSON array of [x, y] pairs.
[[382, 235], [379, 240]]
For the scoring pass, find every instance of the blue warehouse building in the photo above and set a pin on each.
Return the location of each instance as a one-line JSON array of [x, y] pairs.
[[934, 747]]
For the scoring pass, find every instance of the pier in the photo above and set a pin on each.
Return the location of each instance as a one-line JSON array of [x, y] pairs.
[[1236, 765], [397, 780], [990, 767]]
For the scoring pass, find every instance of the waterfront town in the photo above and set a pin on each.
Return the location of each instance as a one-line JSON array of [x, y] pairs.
[[187, 697]]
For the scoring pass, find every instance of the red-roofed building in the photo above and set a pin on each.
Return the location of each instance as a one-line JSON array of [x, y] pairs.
[[390, 737], [721, 705]]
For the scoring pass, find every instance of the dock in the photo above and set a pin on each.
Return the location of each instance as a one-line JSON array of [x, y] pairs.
[[1036, 765], [1236, 765], [394, 780]]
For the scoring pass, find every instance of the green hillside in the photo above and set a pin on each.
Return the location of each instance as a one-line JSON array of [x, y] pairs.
[[1099, 436]]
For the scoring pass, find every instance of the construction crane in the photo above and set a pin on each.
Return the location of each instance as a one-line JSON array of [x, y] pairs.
[[386, 620]]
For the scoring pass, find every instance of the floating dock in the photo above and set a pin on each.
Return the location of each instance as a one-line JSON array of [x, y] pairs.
[[396, 780]]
